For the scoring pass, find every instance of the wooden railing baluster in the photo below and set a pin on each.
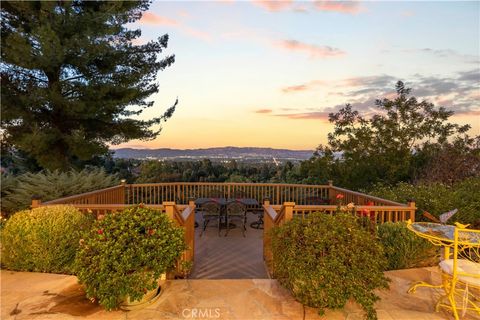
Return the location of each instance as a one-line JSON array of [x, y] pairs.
[[156, 193]]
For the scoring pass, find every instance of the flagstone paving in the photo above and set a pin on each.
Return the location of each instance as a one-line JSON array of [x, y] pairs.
[[26, 295]]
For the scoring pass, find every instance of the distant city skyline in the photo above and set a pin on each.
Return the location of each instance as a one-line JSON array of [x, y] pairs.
[[266, 74], [223, 154]]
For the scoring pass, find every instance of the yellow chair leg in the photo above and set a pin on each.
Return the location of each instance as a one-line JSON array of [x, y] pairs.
[[453, 304], [415, 285]]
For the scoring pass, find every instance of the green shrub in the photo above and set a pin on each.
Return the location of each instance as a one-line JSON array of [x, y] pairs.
[[466, 197], [44, 239], [125, 252], [404, 249], [437, 198], [17, 191], [325, 260]]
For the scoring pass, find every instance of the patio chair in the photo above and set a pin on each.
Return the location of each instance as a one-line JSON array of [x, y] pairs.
[[316, 200], [239, 194], [211, 210], [236, 210], [259, 223], [215, 193], [461, 274]]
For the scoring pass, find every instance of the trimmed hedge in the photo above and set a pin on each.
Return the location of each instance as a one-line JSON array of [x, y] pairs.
[[324, 260], [44, 239], [404, 249]]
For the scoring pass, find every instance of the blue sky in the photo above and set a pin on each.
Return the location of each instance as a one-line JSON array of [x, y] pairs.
[[255, 73]]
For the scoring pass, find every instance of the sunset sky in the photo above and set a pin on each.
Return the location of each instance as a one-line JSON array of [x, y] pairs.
[[266, 74]]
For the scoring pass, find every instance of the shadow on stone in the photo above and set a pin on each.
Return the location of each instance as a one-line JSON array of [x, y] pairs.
[[71, 300], [15, 311]]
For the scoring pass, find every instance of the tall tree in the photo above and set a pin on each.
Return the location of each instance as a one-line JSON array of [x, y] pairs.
[[451, 162], [73, 79], [383, 148]]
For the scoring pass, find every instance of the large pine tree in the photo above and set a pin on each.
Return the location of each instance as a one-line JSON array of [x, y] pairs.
[[73, 81]]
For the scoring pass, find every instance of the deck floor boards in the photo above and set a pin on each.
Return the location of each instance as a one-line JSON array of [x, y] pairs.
[[231, 257]]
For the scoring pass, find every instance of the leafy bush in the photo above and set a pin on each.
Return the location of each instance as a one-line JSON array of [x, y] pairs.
[[44, 239], [325, 260], [125, 253], [438, 198], [404, 249], [17, 191]]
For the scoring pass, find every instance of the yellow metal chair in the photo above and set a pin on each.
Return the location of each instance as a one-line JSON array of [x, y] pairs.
[[461, 274]]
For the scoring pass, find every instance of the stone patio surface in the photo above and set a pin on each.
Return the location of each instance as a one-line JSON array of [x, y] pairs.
[[27, 295]]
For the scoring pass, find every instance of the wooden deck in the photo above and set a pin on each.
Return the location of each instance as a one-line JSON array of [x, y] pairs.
[[231, 257], [279, 203]]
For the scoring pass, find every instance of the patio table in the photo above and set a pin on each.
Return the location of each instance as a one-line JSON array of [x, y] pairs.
[[439, 235], [225, 201], [223, 204]]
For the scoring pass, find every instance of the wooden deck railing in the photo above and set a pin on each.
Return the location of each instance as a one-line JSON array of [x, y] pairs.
[[377, 214], [184, 216], [285, 201], [112, 195], [273, 216], [359, 198], [181, 192]]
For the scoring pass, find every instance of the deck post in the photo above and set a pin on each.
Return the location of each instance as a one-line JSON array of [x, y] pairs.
[[288, 211], [268, 224], [411, 204], [36, 201], [169, 209], [123, 183], [331, 192], [190, 232], [191, 202], [266, 202], [278, 201]]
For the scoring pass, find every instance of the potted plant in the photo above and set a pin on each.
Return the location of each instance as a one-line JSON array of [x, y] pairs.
[[124, 256]]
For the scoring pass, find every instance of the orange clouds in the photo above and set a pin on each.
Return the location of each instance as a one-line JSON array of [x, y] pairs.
[[475, 95], [318, 115], [407, 13], [303, 87], [349, 7], [312, 115], [151, 18], [346, 7], [370, 81], [202, 35], [313, 50], [300, 87], [263, 111], [390, 95], [468, 113], [275, 5]]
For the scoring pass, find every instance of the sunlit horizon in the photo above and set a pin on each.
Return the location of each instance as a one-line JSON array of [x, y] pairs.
[[266, 74]]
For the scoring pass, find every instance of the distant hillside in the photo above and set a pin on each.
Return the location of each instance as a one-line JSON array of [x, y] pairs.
[[222, 153]]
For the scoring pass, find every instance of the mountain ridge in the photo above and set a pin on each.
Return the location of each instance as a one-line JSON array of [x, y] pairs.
[[228, 152]]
